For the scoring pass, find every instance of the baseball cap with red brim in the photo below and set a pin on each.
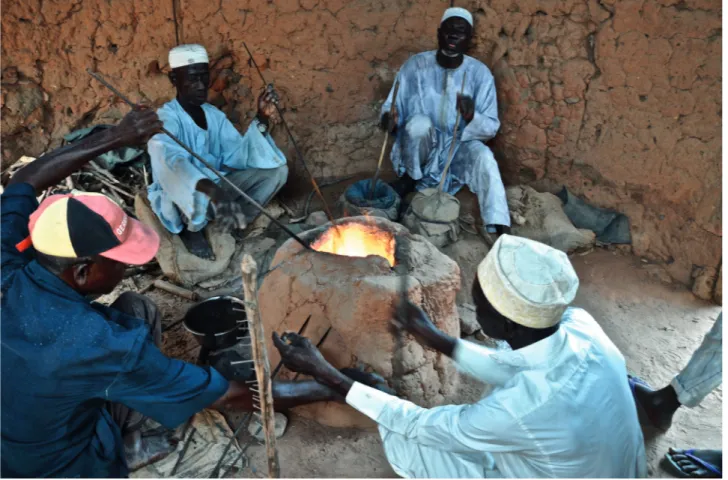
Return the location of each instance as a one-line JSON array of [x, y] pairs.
[[86, 224]]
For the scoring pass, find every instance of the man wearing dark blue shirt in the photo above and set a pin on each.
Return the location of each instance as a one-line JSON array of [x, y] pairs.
[[77, 376]]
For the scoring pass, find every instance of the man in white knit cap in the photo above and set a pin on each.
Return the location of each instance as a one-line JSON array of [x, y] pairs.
[[185, 194], [558, 403], [431, 96]]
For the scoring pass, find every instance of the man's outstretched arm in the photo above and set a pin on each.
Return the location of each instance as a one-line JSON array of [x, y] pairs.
[[456, 428], [285, 395], [134, 129]]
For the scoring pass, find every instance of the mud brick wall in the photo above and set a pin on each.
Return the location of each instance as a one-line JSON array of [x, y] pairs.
[[617, 99]]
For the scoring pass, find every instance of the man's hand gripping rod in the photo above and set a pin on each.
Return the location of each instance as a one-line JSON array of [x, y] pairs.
[[116, 92]]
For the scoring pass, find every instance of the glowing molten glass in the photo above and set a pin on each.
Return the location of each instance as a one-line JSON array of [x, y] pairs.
[[356, 240]]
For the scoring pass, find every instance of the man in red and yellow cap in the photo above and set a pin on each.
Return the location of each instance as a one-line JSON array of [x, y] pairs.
[[78, 377]]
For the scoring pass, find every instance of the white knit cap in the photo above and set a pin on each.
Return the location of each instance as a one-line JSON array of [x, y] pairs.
[[528, 282], [184, 55], [457, 12]]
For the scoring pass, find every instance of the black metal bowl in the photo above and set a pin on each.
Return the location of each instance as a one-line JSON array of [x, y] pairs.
[[217, 323]]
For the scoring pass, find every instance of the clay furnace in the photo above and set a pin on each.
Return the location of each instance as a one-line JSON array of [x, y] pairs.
[[354, 295]]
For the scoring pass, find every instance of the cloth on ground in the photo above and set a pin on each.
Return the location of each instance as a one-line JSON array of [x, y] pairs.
[[576, 375], [176, 262], [434, 215], [426, 103], [540, 217], [608, 225], [384, 203], [112, 158], [172, 195], [211, 435]]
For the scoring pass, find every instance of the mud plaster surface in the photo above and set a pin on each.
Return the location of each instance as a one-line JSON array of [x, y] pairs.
[[657, 328], [619, 100]]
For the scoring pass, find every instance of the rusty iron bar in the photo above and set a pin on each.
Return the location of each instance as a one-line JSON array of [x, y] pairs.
[[179, 142]]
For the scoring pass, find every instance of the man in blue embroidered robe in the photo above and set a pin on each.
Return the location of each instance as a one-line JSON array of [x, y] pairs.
[[427, 106]]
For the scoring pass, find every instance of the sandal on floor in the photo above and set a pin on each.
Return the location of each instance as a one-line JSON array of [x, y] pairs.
[[687, 463]]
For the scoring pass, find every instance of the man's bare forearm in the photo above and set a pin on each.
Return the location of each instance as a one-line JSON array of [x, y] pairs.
[[285, 395], [134, 129], [52, 168]]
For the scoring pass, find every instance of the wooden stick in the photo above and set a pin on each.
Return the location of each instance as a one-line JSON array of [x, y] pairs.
[[392, 109], [114, 187], [176, 290], [262, 366], [454, 137], [144, 174], [93, 166], [151, 284]]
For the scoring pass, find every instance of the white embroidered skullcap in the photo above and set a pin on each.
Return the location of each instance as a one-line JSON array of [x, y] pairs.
[[528, 282], [457, 12], [184, 55]]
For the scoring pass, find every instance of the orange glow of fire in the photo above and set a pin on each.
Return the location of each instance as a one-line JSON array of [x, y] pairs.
[[356, 240]]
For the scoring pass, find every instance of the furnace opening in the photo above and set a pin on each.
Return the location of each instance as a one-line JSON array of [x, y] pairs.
[[354, 239]]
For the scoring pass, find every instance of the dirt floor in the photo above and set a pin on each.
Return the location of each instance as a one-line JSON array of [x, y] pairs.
[[656, 326]]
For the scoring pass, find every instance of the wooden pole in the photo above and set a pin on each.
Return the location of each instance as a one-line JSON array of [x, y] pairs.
[[392, 109], [262, 366]]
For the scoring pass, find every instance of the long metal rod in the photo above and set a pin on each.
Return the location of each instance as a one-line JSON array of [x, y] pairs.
[[392, 109], [179, 142], [293, 141]]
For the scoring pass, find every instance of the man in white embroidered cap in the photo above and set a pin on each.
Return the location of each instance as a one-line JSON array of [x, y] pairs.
[[427, 107], [185, 194], [558, 402]]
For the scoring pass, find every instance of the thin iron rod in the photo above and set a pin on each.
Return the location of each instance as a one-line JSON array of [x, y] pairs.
[[262, 210], [318, 345], [238, 362], [293, 140], [216, 470], [183, 452]]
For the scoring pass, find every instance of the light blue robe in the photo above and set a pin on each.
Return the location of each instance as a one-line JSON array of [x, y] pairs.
[[172, 195], [426, 103]]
